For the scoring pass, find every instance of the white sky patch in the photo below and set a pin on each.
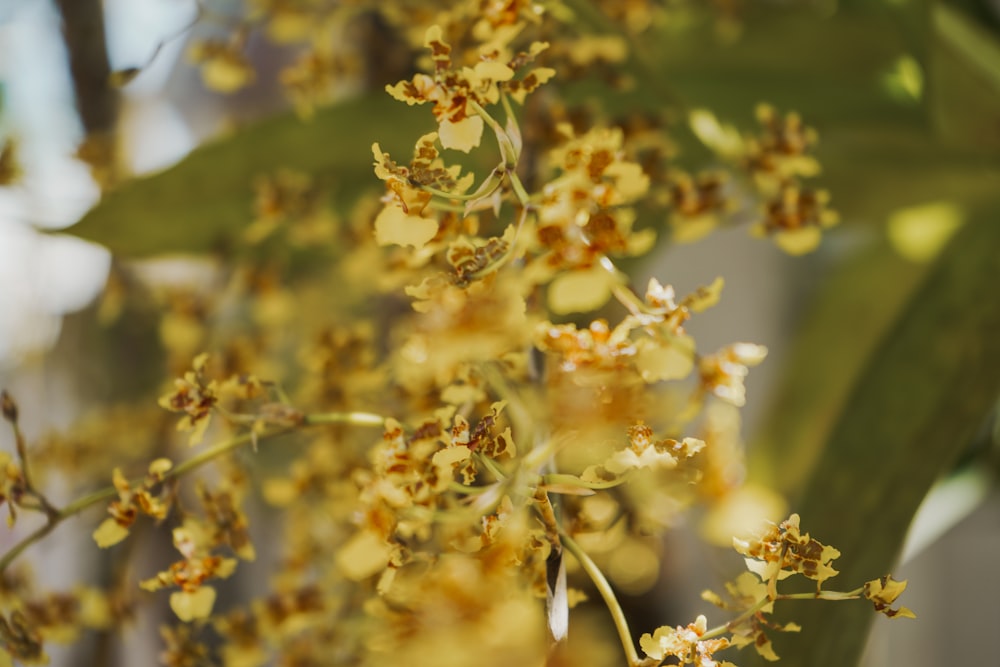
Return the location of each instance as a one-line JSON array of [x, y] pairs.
[[44, 276], [56, 192], [71, 273], [149, 35], [154, 135], [22, 326], [38, 95]]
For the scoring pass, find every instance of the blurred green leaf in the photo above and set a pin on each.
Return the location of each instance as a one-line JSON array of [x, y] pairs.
[[877, 152], [902, 163], [853, 306], [929, 384], [965, 76], [977, 45], [203, 202]]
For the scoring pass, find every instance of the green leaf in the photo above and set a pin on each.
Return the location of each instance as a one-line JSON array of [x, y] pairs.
[[853, 306], [202, 203], [965, 74], [929, 384], [876, 152]]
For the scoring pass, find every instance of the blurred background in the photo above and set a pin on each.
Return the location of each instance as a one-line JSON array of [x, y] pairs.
[[905, 95]]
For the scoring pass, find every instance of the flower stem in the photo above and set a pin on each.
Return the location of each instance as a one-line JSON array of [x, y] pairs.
[[507, 150], [10, 414], [57, 516], [608, 595], [519, 190], [458, 487], [824, 595], [720, 630], [18, 548], [354, 418], [573, 480], [439, 205], [492, 466], [764, 601], [444, 194]]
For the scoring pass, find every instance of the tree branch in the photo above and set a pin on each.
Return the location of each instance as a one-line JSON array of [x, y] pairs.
[[83, 31]]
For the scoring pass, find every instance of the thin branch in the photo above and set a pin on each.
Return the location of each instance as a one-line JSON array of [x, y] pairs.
[[563, 479], [608, 595], [19, 548], [102, 495], [83, 31], [10, 414]]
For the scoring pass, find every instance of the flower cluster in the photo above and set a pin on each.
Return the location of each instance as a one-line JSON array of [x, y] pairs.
[[199, 397], [883, 593], [468, 450], [777, 158], [783, 551], [195, 396], [12, 486], [458, 94], [643, 452], [686, 644], [194, 600]]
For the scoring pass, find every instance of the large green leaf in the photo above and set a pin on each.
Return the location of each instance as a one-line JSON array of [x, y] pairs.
[[202, 203], [901, 410], [878, 151], [932, 380], [965, 73], [854, 304], [873, 167]]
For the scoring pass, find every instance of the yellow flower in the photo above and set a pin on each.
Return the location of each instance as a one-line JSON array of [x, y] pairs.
[[684, 643], [454, 91], [195, 397], [883, 592], [784, 550], [795, 218], [722, 373], [223, 67]]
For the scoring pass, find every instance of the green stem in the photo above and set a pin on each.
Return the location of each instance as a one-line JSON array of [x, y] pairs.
[[824, 595], [21, 446], [460, 488], [573, 480], [354, 418], [80, 504], [439, 205], [764, 601], [449, 195], [86, 501], [481, 194], [214, 452], [22, 454], [503, 259], [507, 150], [625, 296], [720, 630], [519, 190], [509, 112], [604, 588], [18, 548], [492, 466]]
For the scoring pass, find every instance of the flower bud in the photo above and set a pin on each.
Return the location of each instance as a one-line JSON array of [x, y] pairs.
[[8, 406]]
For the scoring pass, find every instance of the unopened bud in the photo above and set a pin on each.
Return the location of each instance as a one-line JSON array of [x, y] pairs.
[[8, 406]]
